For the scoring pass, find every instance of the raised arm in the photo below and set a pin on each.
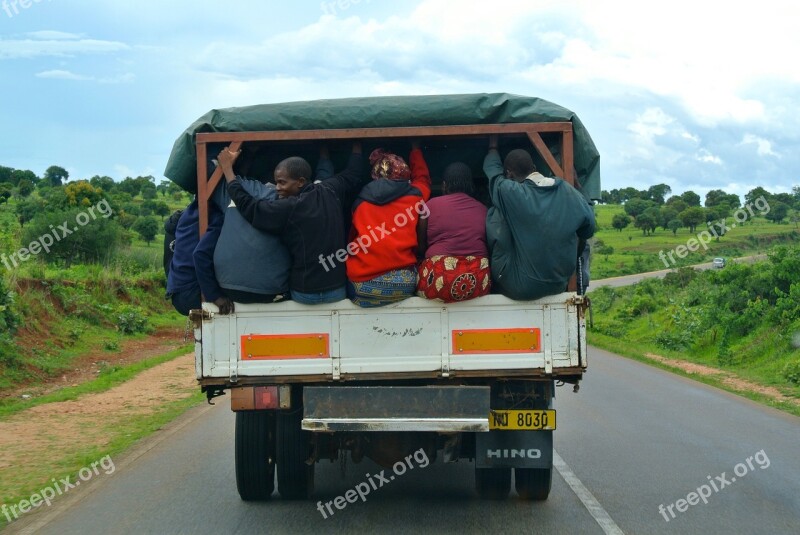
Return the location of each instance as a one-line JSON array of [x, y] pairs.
[[349, 179], [420, 175], [268, 215], [324, 165]]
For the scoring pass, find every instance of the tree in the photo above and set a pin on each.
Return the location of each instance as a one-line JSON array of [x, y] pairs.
[[674, 225], [5, 191], [777, 213], [162, 209], [690, 198], [5, 174], [56, 175], [18, 175], [654, 213], [620, 221], [666, 214], [27, 209], [130, 186], [147, 227], [692, 216], [149, 191], [646, 222], [25, 188], [677, 203], [605, 197], [756, 193], [91, 242], [634, 207], [82, 193], [658, 192], [796, 195], [627, 194], [105, 183]]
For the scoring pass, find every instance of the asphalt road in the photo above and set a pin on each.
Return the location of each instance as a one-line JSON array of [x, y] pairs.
[[627, 280], [632, 439]]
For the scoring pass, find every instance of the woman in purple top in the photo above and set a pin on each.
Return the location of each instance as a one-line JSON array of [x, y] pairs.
[[452, 241]]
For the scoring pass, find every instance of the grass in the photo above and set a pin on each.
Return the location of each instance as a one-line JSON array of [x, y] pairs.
[[633, 252]]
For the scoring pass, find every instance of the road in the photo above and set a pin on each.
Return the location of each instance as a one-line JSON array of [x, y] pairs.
[[627, 280], [633, 438]]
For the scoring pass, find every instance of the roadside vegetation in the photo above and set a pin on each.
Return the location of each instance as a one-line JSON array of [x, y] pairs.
[[80, 271], [744, 318]]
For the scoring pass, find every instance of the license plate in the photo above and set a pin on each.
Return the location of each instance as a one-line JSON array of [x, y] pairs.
[[528, 420]]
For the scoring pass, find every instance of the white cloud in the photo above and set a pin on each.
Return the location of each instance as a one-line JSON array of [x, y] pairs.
[[763, 147], [59, 74], [31, 48], [705, 156], [47, 35]]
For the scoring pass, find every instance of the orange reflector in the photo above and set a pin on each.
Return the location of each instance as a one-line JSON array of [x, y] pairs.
[[285, 346], [496, 341]]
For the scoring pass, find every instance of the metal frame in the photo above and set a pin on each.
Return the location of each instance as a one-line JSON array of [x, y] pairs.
[[235, 139]]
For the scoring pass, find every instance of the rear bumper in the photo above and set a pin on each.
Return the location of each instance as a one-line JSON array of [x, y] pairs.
[[445, 409]]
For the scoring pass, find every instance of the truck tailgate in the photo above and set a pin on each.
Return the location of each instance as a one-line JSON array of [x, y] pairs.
[[413, 338]]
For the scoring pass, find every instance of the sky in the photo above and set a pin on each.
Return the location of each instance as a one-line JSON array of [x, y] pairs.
[[695, 94]]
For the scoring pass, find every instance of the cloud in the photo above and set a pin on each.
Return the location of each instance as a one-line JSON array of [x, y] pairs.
[[58, 47], [763, 147], [47, 35], [703, 155], [58, 74]]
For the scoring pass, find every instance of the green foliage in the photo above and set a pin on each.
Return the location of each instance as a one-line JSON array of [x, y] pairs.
[[131, 320], [777, 213], [792, 372], [56, 175], [147, 228], [620, 221], [89, 243], [82, 194]]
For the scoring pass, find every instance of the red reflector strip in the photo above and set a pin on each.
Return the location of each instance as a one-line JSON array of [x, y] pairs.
[[266, 397]]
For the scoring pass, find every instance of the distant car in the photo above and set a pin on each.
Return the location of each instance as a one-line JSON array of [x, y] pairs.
[[718, 263]]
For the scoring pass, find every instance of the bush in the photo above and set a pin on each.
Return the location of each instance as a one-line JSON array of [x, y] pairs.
[[131, 320], [89, 243], [792, 372]]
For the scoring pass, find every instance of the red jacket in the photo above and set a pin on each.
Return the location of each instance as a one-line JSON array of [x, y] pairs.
[[384, 232]]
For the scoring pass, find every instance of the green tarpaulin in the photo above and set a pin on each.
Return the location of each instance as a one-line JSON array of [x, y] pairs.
[[373, 112]]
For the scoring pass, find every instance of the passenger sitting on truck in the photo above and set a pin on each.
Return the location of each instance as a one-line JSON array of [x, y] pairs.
[[381, 268], [533, 227], [252, 266], [452, 241], [191, 269], [307, 217]]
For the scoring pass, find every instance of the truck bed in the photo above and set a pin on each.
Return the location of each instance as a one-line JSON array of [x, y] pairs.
[[414, 339]]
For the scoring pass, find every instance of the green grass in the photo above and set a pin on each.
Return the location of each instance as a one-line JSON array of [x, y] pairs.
[[636, 253]]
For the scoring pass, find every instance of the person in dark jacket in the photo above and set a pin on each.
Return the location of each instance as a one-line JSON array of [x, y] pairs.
[[191, 275], [533, 228], [308, 218]]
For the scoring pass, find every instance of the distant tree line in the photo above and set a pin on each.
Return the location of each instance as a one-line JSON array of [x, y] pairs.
[[648, 209]]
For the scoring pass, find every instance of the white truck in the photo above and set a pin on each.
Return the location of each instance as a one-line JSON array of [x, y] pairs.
[[470, 381]]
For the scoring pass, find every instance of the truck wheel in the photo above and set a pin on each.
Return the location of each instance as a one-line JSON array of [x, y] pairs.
[[295, 477], [533, 483], [493, 483], [255, 454]]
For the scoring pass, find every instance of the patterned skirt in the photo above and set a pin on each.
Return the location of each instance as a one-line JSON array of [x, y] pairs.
[[390, 287], [454, 278]]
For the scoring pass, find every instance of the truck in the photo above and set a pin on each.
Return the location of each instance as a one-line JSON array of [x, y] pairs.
[[472, 381]]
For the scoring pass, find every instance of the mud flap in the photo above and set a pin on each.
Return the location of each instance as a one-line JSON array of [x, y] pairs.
[[514, 449]]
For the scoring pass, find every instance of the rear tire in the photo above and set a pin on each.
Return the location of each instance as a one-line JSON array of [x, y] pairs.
[[295, 477], [533, 483], [493, 483], [255, 455]]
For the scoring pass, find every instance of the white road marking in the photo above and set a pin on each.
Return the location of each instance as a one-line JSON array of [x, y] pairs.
[[587, 498]]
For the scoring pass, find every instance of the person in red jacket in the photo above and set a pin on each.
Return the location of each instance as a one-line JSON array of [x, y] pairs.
[[381, 266]]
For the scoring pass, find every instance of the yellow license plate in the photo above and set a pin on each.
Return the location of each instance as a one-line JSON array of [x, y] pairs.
[[528, 420]]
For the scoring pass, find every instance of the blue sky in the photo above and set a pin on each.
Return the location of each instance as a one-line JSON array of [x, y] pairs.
[[697, 94]]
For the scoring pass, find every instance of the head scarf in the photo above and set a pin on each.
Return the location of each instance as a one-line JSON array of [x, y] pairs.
[[388, 165]]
